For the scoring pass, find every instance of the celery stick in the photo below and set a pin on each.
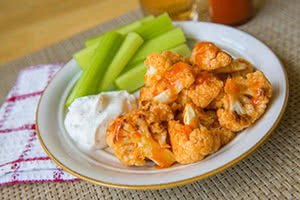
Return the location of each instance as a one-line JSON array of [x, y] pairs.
[[113, 87], [149, 28], [134, 25], [128, 48], [146, 19], [89, 81], [122, 30], [163, 42], [133, 79], [84, 56], [155, 27]]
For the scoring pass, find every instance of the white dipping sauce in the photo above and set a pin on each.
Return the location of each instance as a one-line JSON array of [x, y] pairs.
[[89, 116]]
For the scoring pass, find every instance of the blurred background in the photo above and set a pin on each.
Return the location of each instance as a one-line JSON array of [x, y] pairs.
[[30, 25]]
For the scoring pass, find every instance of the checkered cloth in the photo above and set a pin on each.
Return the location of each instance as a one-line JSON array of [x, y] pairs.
[[22, 158]]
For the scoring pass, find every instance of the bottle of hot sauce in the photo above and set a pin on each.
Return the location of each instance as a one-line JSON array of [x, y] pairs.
[[230, 12]]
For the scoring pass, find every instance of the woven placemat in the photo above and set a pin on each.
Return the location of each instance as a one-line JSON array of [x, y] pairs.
[[271, 172]]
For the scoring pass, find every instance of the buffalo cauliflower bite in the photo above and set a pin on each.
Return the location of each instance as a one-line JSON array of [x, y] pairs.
[[206, 88], [245, 100], [159, 115], [191, 141], [195, 117], [217, 102], [161, 111], [192, 145], [174, 57], [133, 142], [238, 67], [166, 90], [178, 105], [157, 65], [145, 95], [225, 134], [207, 56], [208, 118]]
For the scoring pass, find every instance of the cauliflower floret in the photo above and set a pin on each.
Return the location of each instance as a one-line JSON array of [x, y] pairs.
[[158, 64], [238, 67], [133, 142], [209, 118], [145, 95], [166, 90], [178, 105], [159, 115], [161, 111], [174, 57], [217, 102], [245, 100], [191, 141], [225, 134], [191, 145], [183, 97], [177, 78], [206, 88], [195, 118], [207, 56]]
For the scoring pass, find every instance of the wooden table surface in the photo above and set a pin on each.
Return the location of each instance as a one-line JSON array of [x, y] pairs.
[[29, 25]]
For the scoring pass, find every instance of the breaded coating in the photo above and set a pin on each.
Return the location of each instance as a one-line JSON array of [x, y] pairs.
[[207, 56], [206, 88], [183, 97], [162, 111], [238, 67], [132, 140], [174, 57], [209, 118], [196, 117], [178, 106], [217, 102], [245, 100], [226, 135], [158, 64], [191, 145], [159, 115], [145, 95], [177, 78]]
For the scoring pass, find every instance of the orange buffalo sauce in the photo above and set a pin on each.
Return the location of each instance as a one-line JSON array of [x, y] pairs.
[[230, 12]]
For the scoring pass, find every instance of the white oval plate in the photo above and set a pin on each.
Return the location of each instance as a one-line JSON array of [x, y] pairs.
[[103, 168]]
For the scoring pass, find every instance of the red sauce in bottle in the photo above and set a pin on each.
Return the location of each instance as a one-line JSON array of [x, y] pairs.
[[230, 12]]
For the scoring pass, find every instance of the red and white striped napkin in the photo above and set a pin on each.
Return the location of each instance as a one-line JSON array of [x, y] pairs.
[[22, 158]]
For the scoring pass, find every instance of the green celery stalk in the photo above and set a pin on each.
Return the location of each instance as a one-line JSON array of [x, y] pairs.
[[155, 27], [163, 42], [128, 48], [84, 56], [148, 28], [89, 81], [113, 87], [134, 25], [133, 79], [122, 30]]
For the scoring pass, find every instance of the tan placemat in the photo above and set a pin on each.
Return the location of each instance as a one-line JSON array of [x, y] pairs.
[[271, 172]]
